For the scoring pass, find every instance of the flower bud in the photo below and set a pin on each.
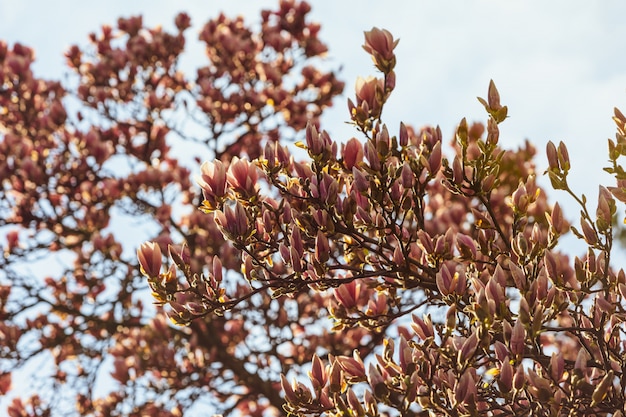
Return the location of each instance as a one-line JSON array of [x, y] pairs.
[[347, 294], [213, 183], [557, 366], [423, 328], [149, 256], [317, 374], [404, 135], [379, 43], [602, 390], [468, 349], [589, 234], [493, 97], [371, 154], [352, 366], [563, 156], [553, 159], [505, 379], [434, 159], [377, 382], [322, 248], [352, 153], [518, 338]]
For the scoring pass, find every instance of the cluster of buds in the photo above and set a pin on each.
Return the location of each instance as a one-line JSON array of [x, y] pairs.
[[371, 92]]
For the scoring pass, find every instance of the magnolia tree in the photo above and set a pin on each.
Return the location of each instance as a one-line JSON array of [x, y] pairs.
[[413, 283], [85, 161]]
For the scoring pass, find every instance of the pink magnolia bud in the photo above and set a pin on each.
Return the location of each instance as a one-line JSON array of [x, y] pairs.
[[371, 404], [563, 156], [290, 395], [406, 176], [404, 135], [519, 378], [493, 97], [247, 267], [606, 208], [518, 338], [335, 377], [233, 222], [352, 154], [542, 284], [581, 360], [313, 140], [353, 366], [444, 280], [505, 379], [322, 248], [380, 44], [355, 404], [243, 177], [149, 255], [619, 119], [588, 232], [519, 277], [451, 319], [465, 389], [217, 269], [369, 97], [557, 366], [602, 389], [269, 154], [348, 294], [520, 199], [552, 265], [468, 349], [360, 182], [539, 387], [377, 381], [405, 352], [434, 159], [553, 158], [383, 142], [398, 256], [371, 154], [295, 241], [213, 183], [423, 328], [317, 374], [556, 219], [457, 170], [466, 246], [426, 241], [378, 306], [493, 132]]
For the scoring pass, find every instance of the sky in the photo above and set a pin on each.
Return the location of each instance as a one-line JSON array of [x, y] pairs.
[[560, 66]]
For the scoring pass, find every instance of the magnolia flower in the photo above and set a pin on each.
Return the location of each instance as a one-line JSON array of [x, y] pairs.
[[213, 183], [233, 221], [380, 44], [243, 177], [149, 255]]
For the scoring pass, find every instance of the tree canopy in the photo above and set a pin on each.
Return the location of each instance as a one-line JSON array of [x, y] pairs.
[[395, 272]]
